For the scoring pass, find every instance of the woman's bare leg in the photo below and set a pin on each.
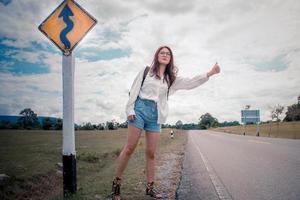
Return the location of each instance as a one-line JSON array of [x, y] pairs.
[[152, 139], [133, 136]]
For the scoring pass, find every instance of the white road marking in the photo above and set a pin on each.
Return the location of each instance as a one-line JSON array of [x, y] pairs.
[[221, 190], [259, 142]]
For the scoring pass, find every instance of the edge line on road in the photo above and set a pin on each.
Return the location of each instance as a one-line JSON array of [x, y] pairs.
[[221, 190]]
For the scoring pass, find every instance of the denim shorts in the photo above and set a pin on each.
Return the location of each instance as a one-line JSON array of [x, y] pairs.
[[145, 115]]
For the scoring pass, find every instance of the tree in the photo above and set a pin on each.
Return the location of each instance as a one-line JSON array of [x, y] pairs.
[[276, 112], [123, 125], [6, 125], [112, 125], [179, 124], [226, 123], [58, 124], [101, 126], [28, 119], [292, 113], [190, 126], [207, 121], [47, 124], [88, 126]]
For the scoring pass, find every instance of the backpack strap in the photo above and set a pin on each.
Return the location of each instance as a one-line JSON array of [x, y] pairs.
[[145, 74]]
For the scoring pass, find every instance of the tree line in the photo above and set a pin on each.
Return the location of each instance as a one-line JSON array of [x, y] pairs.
[[206, 121], [29, 120]]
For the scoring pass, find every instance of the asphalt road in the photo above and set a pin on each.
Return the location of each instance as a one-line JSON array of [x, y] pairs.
[[227, 166]]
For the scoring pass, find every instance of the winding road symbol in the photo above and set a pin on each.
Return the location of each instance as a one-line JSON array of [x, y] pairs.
[[65, 14], [67, 25]]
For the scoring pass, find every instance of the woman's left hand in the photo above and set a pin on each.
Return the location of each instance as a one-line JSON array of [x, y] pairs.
[[214, 70]]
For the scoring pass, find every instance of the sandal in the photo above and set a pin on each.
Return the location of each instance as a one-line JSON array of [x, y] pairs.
[[116, 189], [153, 192]]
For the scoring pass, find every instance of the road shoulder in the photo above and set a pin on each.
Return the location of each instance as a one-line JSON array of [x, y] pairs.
[[195, 182]]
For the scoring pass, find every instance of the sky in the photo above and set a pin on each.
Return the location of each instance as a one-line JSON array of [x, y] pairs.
[[256, 44]]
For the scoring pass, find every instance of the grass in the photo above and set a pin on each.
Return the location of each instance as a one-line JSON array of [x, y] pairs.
[[281, 130], [30, 158]]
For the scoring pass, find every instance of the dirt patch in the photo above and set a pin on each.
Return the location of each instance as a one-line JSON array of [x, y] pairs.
[[168, 173], [37, 187]]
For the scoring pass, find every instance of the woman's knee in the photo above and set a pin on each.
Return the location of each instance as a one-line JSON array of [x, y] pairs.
[[150, 154], [129, 150]]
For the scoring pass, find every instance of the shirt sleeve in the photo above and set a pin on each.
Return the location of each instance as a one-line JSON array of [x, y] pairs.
[[182, 83], [134, 92]]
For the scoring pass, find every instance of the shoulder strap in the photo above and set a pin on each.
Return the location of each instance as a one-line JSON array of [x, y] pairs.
[[145, 74]]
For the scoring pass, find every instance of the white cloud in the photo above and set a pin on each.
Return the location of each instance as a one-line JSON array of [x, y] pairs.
[[237, 34], [16, 43], [39, 92]]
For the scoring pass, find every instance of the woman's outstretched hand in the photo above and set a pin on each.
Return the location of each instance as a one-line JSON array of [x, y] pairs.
[[131, 117], [214, 70]]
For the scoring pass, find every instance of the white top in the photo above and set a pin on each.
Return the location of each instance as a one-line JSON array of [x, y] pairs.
[[156, 90]]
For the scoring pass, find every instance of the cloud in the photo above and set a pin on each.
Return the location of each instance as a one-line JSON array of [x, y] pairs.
[[38, 92], [6, 66], [256, 43], [22, 26], [169, 7], [16, 43]]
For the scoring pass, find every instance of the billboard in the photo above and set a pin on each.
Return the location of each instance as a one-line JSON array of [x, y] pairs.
[[250, 116]]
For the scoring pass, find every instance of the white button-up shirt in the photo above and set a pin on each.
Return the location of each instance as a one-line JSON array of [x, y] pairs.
[[156, 90]]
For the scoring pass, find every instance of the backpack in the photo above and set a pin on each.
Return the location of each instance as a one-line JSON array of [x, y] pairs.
[[144, 77]]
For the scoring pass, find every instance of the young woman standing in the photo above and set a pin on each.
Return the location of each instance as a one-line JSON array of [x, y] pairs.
[[147, 109]]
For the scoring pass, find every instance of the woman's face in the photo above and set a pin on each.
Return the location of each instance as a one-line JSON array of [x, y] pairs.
[[164, 56]]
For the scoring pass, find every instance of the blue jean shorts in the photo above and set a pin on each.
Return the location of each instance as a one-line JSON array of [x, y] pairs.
[[145, 115]]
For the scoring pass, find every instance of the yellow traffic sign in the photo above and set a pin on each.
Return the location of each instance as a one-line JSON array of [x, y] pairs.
[[67, 25]]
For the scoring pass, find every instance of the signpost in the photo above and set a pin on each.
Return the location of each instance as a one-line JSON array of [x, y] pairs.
[[250, 116], [65, 27]]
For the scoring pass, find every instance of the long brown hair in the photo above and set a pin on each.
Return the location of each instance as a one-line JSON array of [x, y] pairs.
[[171, 69]]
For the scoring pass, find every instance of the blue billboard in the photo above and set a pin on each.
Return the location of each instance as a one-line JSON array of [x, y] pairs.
[[250, 116]]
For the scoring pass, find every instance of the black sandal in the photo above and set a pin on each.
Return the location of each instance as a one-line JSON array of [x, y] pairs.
[[152, 191], [116, 189]]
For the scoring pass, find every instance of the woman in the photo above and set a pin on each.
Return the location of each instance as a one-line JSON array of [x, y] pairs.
[[147, 109]]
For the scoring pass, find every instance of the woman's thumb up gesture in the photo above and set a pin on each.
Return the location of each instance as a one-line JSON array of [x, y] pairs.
[[214, 70]]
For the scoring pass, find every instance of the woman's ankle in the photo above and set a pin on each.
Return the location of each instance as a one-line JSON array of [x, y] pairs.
[[150, 182], [116, 187], [117, 180]]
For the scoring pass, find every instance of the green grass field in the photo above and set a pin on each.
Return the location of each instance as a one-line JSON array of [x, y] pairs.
[[281, 130], [30, 158]]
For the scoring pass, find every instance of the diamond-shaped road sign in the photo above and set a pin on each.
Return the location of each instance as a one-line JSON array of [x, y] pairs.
[[67, 25]]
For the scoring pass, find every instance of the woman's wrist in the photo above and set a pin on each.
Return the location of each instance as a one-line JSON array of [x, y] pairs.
[[209, 74]]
